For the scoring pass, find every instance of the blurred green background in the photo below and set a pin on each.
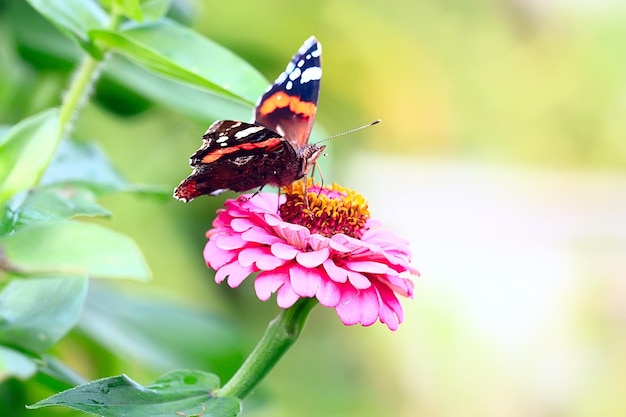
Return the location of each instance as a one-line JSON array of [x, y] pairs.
[[501, 158]]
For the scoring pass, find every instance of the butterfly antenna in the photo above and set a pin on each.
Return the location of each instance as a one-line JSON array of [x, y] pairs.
[[375, 122]]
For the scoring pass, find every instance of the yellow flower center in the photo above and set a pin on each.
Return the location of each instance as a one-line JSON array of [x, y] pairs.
[[331, 209]]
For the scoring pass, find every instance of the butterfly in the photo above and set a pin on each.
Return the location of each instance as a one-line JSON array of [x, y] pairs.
[[274, 148]]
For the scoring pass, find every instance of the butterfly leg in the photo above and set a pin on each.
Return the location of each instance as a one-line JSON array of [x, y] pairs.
[[256, 192], [319, 169]]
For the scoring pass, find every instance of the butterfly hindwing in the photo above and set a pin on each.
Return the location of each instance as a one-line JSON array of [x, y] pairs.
[[238, 156]]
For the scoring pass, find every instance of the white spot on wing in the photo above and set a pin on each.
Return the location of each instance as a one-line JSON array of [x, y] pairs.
[[248, 131], [309, 74], [295, 74], [242, 160], [281, 79], [300, 63], [307, 44], [289, 85], [221, 139]]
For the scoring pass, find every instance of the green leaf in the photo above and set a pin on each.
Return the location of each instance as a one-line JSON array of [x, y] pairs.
[[26, 150], [39, 42], [15, 364], [155, 9], [36, 313], [75, 18], [176, 393], [129, 8], [59, 375], [74, 248], [198, 103], [158, 339], [86, 165], [57, 203], [178, 52]]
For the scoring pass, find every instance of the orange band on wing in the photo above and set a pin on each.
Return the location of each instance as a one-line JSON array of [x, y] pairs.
[[280, 100], [268, 145]]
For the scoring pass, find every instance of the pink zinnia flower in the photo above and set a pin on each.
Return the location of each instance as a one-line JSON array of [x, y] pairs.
[[330, 250]]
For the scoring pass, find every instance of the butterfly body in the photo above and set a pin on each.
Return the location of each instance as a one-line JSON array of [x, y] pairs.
[[274, 148]]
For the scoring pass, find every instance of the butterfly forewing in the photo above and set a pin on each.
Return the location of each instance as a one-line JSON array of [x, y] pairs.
[[289, 105]]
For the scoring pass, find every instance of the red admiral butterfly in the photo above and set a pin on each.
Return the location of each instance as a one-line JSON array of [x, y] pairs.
[[274, 149]]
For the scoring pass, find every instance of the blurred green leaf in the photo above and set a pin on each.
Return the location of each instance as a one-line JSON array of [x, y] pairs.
[[14, 363], [154, 9], [59, 376], [6, 220], [74, 248], [182, 392], [129, 8], [118, 99], [38, 41], [198, 103], [205, 341], [26, 150], [84, 164], [178, 52], [57, 203], [75, 18], [139, 10], [36, 313]]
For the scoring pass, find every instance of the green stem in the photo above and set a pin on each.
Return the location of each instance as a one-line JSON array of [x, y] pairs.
[[280, 334], [80, 87]]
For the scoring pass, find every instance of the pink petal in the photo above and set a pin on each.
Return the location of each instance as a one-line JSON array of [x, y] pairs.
[[261, 257], [286, 297], [216, 257], [312, 259], [322, 241], [304, 281], [267, 283], [334, 272], [402, 286], [268, 263], [388, 298], [390, 311], [367, 266], [249, 256], [370, 306], [317, 241], [229, 241], [358, 281], [259, 235], [235, 273], [361, 307], [265, 202], [284, 251], [293, 234], [348, 308], [328, 293], [241, 224]]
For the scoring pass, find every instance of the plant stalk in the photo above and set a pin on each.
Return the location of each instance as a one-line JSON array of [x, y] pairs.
[[280, 335], [82, 82]]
